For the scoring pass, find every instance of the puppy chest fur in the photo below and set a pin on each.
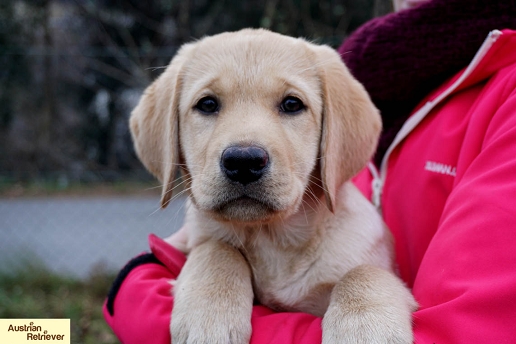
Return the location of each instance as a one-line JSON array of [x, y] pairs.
[[296, 263]]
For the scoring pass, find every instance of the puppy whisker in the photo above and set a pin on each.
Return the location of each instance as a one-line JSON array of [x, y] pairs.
[[167, 185], [176, 164], [310, 194], [180, 209], [304, 212], [257, 235], [309, 205], [153, 69], [237, 235], [316, 65], [175, 197]]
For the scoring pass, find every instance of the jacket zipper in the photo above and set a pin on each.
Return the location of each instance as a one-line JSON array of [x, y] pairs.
[[380, 176]]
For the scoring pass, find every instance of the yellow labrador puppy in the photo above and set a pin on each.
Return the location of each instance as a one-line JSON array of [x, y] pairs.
[[267, 131]]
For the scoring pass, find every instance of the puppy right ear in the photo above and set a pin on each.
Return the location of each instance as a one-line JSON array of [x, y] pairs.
[[155, 128], [351, 124]]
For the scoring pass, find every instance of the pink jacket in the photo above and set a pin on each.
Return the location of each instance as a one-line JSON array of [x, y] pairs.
[[447, 190]]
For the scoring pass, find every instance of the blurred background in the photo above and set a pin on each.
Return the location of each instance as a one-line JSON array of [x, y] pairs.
[[75, 203]]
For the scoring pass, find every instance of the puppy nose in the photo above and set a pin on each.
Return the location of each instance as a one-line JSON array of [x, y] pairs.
[[244, 164]]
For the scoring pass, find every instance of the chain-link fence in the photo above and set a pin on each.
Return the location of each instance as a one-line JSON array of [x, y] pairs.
[[74, 235]]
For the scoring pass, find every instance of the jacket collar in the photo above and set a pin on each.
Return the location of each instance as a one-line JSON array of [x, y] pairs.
[[497, 52]]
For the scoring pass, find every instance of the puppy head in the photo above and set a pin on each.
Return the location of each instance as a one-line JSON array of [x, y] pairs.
[[251, 113]]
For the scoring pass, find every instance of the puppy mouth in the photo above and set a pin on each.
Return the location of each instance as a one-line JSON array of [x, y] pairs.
[[246, 208], [244, 201]]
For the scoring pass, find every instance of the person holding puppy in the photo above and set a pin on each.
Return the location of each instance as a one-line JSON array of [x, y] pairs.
[[443, 74]]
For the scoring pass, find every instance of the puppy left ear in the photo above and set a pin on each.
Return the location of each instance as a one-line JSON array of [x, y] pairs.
[[154, 125], [351, 124]]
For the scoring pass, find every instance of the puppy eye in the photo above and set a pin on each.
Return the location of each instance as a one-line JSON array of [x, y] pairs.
[[207, 105], [291, 105]]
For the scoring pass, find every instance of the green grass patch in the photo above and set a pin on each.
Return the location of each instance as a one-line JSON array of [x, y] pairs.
[[33, 292]]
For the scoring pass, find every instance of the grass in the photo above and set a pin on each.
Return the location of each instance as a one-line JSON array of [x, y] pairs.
[[33, 292]]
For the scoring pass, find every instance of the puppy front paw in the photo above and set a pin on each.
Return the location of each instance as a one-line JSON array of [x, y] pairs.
[[366, 328], [213, 297], [210, 326], [369, 305]]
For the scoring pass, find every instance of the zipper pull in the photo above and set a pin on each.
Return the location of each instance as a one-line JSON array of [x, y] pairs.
[[377, 193], [376, 185]]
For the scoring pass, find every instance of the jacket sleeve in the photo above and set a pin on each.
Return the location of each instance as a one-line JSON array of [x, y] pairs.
[[139, 306], [466, 282], [139, 303]]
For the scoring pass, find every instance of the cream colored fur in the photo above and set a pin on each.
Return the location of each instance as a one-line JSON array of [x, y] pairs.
[[303, 238]]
